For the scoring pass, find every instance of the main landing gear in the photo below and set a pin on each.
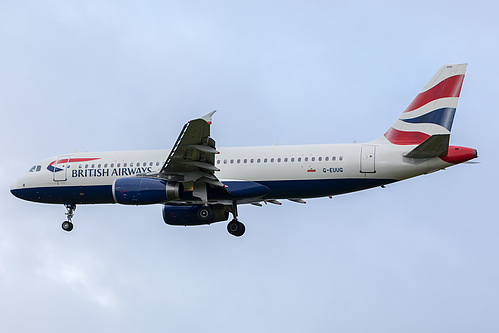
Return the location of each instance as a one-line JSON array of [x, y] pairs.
[[235, 227], [68, 225]]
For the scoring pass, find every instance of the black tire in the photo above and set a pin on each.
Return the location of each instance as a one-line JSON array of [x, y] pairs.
[[232, 227], [205, 215], [236, 228], [241, 229], [67, 226]]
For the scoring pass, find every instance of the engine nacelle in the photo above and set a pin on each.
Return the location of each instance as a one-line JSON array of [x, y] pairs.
[[145, 190], [194, 215]]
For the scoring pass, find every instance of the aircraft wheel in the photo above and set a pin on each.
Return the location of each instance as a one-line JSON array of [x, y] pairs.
[[205, 214], [236, 228], [67, 226]]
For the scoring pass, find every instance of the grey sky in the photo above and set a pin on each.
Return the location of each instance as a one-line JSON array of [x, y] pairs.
[[420, 255]]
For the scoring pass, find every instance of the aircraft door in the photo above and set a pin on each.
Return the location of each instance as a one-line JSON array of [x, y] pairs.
[[60, 168], [367, 159]]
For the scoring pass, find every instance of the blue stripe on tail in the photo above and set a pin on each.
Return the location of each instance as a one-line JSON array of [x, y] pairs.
[[443, 117]]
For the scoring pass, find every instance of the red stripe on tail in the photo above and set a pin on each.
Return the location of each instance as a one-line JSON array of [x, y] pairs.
[[450, 87], [405, 138]]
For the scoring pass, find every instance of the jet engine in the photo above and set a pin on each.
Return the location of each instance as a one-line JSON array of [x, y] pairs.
[[145, 190], [194, 214]]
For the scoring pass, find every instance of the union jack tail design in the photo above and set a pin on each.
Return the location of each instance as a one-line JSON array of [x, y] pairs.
[[433, 109]]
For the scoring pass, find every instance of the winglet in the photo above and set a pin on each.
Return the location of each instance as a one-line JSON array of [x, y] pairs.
[[208, 117]]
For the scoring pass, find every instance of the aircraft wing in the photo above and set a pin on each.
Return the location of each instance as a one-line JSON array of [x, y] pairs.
[[192, 158]]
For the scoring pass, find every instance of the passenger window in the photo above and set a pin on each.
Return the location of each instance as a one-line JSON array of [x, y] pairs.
[[118, 165], [124, 165], [306, 159], [271, 160], [218, 161], [299, 159], [144, 164], [258, 161], [292, 159], [333, 158], [252, 160], [99, 166], [157, 163], [131, 164], [341, 158], [86, 166], [264, 160], [313, 159], [150, 163], [80, 166], [231, 161], [327, 158], [279, 160], [225, 161], [112, 165], [105, 165], [245, 160], [320, 158], [238, 161]]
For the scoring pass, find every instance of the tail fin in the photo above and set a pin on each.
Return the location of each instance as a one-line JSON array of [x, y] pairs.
[[432, 111]]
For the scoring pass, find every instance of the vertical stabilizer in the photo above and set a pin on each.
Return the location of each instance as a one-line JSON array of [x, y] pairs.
[[432, 110]]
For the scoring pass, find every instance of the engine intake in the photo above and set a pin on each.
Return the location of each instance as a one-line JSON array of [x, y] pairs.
[[145, 191]]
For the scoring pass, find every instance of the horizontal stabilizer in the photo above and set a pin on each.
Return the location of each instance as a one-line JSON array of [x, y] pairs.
[[436, 145]]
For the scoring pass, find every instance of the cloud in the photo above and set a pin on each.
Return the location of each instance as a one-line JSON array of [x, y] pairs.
[[82, 275], [119, 75]]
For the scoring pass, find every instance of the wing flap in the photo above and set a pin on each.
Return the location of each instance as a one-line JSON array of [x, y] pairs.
[[192, 158]]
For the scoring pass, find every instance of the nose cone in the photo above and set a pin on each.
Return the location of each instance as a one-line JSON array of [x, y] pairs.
[[19, 188], [14, 189]]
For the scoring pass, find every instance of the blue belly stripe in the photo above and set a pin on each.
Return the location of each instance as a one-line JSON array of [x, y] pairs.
[[279, 189]]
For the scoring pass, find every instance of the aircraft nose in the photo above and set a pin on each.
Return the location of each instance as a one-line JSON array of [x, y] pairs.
[[14, 187]]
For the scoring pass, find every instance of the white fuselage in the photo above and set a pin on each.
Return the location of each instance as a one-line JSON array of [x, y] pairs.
[[305, 166]]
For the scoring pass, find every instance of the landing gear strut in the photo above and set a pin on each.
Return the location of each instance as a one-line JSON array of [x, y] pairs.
[[235, 227], [68, 225]]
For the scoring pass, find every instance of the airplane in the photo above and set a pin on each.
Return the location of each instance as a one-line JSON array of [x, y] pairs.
[[198, 183]]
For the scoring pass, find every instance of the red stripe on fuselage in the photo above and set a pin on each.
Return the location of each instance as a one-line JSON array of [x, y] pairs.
[[405, 138], [450, 87], [71, 160]]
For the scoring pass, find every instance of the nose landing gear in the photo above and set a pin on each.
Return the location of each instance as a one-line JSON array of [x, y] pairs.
[[68, 225]]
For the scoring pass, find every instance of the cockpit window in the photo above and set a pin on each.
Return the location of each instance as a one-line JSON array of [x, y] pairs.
[[38, 168], [32, 169]]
